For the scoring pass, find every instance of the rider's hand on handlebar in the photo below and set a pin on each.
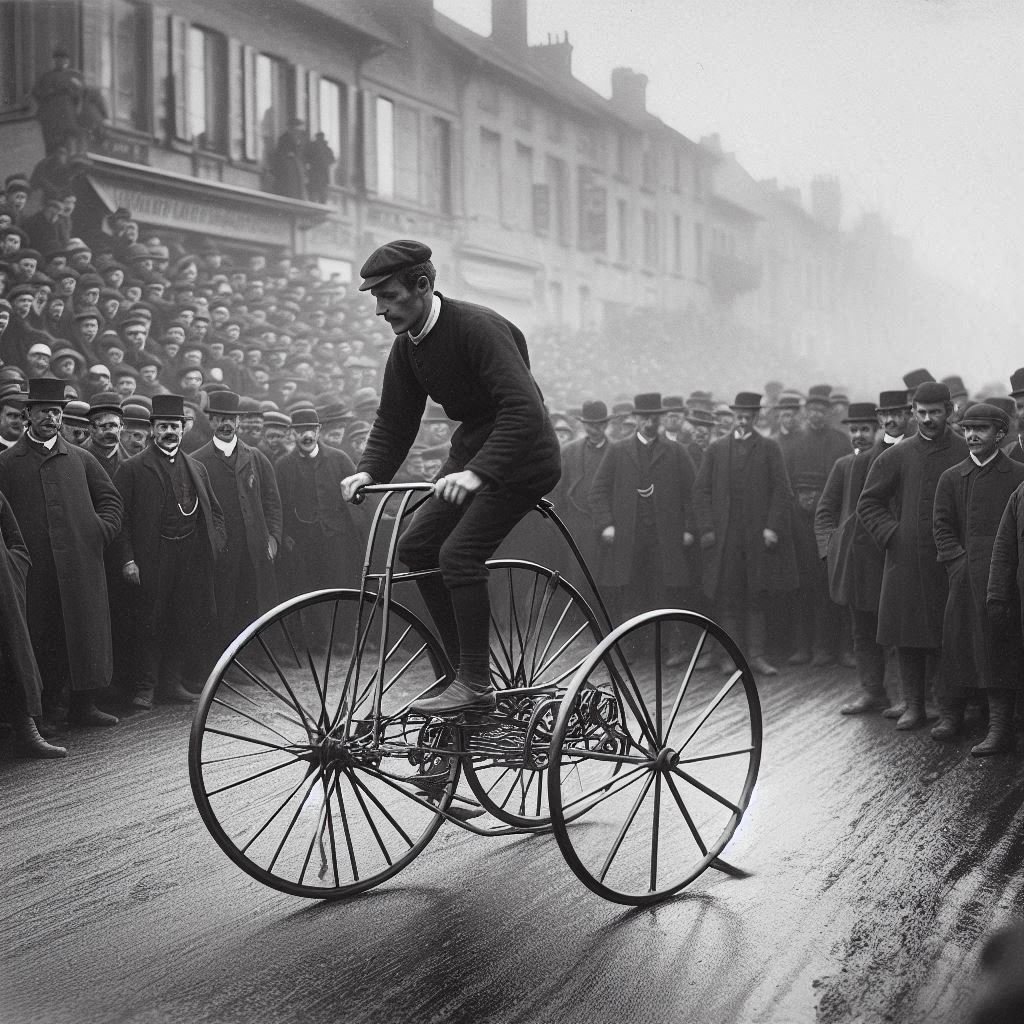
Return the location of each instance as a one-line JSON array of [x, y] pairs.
[[457, 487], [351, 486]]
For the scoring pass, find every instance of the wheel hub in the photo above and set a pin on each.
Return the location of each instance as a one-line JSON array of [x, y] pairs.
[[667, 759]]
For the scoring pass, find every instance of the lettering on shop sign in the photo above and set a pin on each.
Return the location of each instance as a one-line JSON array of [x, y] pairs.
[[202, 215], [408, 223]]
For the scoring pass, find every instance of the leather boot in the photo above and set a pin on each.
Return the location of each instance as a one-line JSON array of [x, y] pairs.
[[896, 711], [914, 716], [458, 697], [86, 713], [999, 739], [28, 742], [951, 717]]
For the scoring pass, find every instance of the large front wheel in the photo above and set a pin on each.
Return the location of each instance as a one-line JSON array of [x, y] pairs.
[[685, 745], [304, 766]]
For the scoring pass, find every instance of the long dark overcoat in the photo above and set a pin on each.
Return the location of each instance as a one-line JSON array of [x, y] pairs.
[[1006, 572], [855, 562], [613, 499], [260, 502], [68, 511], [143, 487], [769, 505], [969, 504], [18, 661], [896, 508], [571, 498]]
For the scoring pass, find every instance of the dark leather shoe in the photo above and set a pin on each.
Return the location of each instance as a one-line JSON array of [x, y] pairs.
[[763, 667], [896, 711], [28, 742], [49, 729], [864, 704], [799, 658], [142, 698], [946, 728], [456, 698], [913, 718], [91, 715]]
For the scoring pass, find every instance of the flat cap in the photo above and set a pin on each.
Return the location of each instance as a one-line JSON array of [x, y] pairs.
[[984, 413], [389, 259]]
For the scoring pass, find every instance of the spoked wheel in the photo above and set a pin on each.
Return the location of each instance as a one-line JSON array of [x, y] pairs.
[[686, 753], [542, 631], [301, 780]]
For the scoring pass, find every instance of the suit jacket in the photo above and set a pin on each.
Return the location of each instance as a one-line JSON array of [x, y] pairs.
[[896, 508], [855, 561], [19, 660], [614, 500]]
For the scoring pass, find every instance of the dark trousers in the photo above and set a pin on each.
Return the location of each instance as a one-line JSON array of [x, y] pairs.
[[869, 653], [917, 664]]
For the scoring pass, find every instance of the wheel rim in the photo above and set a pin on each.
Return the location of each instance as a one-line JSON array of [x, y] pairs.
[[542, 631], [300, 777], [686, 750]]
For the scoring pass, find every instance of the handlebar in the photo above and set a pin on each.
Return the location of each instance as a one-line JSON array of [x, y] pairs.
[[360, 496]]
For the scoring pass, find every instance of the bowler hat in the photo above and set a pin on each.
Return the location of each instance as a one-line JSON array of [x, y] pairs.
[[168, 407], [648, 404], [76, 412], [135, 415], [1017, 382], [46, 391], [1008, 405], [700, 418], [913, 378], [594, 412], [303, 418], [888, 400], [932, 391], [819, 394], [69, 353], [984, 413], [274, 418], [105, 401], [861, 412], [389, 259], [700, 400], [746, 401], [223, 403]]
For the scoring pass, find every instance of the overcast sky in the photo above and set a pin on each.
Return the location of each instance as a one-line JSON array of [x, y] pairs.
[[917, 105]]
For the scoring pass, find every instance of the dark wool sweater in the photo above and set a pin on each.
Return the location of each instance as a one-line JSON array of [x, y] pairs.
[[474, 363]]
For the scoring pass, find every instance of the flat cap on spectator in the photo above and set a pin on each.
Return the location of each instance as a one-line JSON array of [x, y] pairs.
[[915, 377], [389, 259], [77, 412], [983, 414], [275, 418], [135, 414], [69, 353], [41, 348], [22, 289]]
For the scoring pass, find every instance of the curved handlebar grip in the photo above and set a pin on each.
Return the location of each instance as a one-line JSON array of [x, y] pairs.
[[358, 498]]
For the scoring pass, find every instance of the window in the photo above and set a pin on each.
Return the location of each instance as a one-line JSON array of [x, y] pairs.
[[124, 64], [593, 218], [271, 96], [622, 224], [622, 156], [407, 153], [439, 168], [556, 126], [648, 166], [28, 34], [523, 113], [206, 90], [489, 176], [488, 96], [698, 249], [333, 122], [522, 183], [677, 244], [385, 148], [651, 260], [558, 197]]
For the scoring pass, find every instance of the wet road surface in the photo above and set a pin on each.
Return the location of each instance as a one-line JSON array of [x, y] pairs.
[[876, 863]]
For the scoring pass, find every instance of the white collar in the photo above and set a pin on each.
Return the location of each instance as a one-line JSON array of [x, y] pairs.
[[435, 312], [742, 437], [313, 454], [889, 439], [643, 440], [166, 454], [48, 445], [978, 462], [227, 447]]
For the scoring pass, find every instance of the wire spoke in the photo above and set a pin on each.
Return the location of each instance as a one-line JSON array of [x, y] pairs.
[[712, 707], [690, 824], [707, 790], [252, 778], [255, 721], [619, 782], [691, 668], [270, 820], [626, 825], [715, 757], [654, 832]]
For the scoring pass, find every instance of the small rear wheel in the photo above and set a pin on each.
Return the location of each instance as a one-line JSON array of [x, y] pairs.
[[685, 748]]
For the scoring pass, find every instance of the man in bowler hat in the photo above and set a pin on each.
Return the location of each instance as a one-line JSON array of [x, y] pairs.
[[504, 455], [744, 503], [173, 532], [245, 486]]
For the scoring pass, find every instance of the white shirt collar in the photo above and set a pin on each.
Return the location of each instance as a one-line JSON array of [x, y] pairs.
[[742, 437], [313, 454], [435, 312], [978, 462], [643, 440], [889, 439], [48, 445], [227, 447]]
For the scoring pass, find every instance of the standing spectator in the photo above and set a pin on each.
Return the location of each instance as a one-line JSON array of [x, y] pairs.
[[969, 503], [12, 414], [642, 500], [136, 431], [743, 503], [244, 484], [173, 530], [105, 423], [58, 95], [68, 511], [287, 167], [319, 159], [20, 686], [896, 507], [853, 559]]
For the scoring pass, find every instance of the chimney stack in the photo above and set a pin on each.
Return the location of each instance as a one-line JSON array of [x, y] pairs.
[[508, 25], [629, 91], [554, 58]]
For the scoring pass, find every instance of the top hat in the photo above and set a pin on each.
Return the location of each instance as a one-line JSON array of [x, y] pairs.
[[746, 401], [1017, 382], [672, 403], [956, 386], [168, 407], [105, 401], [305, 418], [892, 400], [594, 412], [46, 391], [820, 394], [223, 403], [389, 259], [861, 412], [648, 404]]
